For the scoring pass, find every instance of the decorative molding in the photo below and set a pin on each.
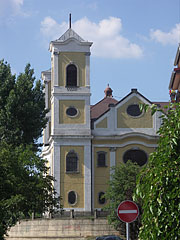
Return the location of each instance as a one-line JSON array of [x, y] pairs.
[[87, 54], [112, 149]]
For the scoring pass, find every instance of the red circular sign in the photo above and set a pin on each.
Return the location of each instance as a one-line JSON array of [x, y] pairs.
[[127, 211]]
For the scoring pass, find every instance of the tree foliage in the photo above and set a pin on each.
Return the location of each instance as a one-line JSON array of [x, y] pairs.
[[22, 106], [26, 186], [158, 184], [25, 183], [121, 187]]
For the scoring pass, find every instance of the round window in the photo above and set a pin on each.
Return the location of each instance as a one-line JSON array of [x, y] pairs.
[[101, 198], [135, 155], [71, 111], [134, 110], [72, 197]]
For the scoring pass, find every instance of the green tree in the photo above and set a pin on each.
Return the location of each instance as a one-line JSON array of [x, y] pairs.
[[25, 184], [121, 187], [158, 184], [22, 107]]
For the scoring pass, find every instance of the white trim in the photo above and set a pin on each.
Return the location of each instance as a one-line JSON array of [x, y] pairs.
[[93, 161], [87, 82], [75, 209], [126, 134], [70, 45], [126, 144], [56, 68], [112, 160], [56, 167]]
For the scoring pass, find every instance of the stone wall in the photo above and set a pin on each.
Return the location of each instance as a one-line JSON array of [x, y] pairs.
[[59, 229]]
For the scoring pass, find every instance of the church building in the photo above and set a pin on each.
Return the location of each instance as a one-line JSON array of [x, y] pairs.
[[83, 142]]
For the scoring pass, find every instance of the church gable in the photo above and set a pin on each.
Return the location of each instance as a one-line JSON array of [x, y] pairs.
[[130, 116], [126, 117]]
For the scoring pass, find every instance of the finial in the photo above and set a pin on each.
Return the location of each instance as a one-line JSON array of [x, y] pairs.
[[108, 91], [70, 20]]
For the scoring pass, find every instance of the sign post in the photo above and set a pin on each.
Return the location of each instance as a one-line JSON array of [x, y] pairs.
[[127, 212]]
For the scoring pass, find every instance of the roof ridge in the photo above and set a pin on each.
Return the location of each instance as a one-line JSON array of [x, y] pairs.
[[101, 101]]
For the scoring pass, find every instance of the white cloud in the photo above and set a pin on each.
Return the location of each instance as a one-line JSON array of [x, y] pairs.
[[106, 36], [171, 37], [11, 8], [51, 29]]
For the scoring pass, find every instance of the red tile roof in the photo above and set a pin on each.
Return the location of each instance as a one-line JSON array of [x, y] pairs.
[[101, 107]]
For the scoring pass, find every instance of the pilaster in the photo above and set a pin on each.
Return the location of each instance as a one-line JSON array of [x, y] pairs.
[[56, 168], [112, 159], [55, 67], [88, 69]]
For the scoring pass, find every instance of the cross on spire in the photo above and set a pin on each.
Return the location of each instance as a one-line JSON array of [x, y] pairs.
[[70, 20]]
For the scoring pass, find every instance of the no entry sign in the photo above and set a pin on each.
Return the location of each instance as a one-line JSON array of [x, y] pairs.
[[127, 211]]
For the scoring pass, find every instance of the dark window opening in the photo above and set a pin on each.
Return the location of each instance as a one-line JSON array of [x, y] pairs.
[[101, 159], [134, 110], [71, 76], [101, 198], [71, 111], [135, 155], [71, 162], [72, 198]]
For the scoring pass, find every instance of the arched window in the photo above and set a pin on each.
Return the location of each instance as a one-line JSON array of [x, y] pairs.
[[71, 162], [135, 155], [101, 159], [101, 198], [72, 197], [71, 76]]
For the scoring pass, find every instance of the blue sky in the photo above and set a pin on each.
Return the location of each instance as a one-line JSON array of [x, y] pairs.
[[134, 41]]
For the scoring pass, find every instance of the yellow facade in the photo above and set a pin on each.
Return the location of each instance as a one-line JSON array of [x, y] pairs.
[[72, 181], [102, 124], [77, 58], [65, 119], [145, 120], [101, 175]]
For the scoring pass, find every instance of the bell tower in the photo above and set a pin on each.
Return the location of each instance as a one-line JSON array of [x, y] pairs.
[[67, 138]]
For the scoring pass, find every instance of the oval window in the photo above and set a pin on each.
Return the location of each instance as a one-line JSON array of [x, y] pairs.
[[133, 110], [72, 197], [135, 155], [101, 198], [71, 111]]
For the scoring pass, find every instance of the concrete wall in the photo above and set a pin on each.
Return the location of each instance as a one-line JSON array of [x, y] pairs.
[[59, 229]]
